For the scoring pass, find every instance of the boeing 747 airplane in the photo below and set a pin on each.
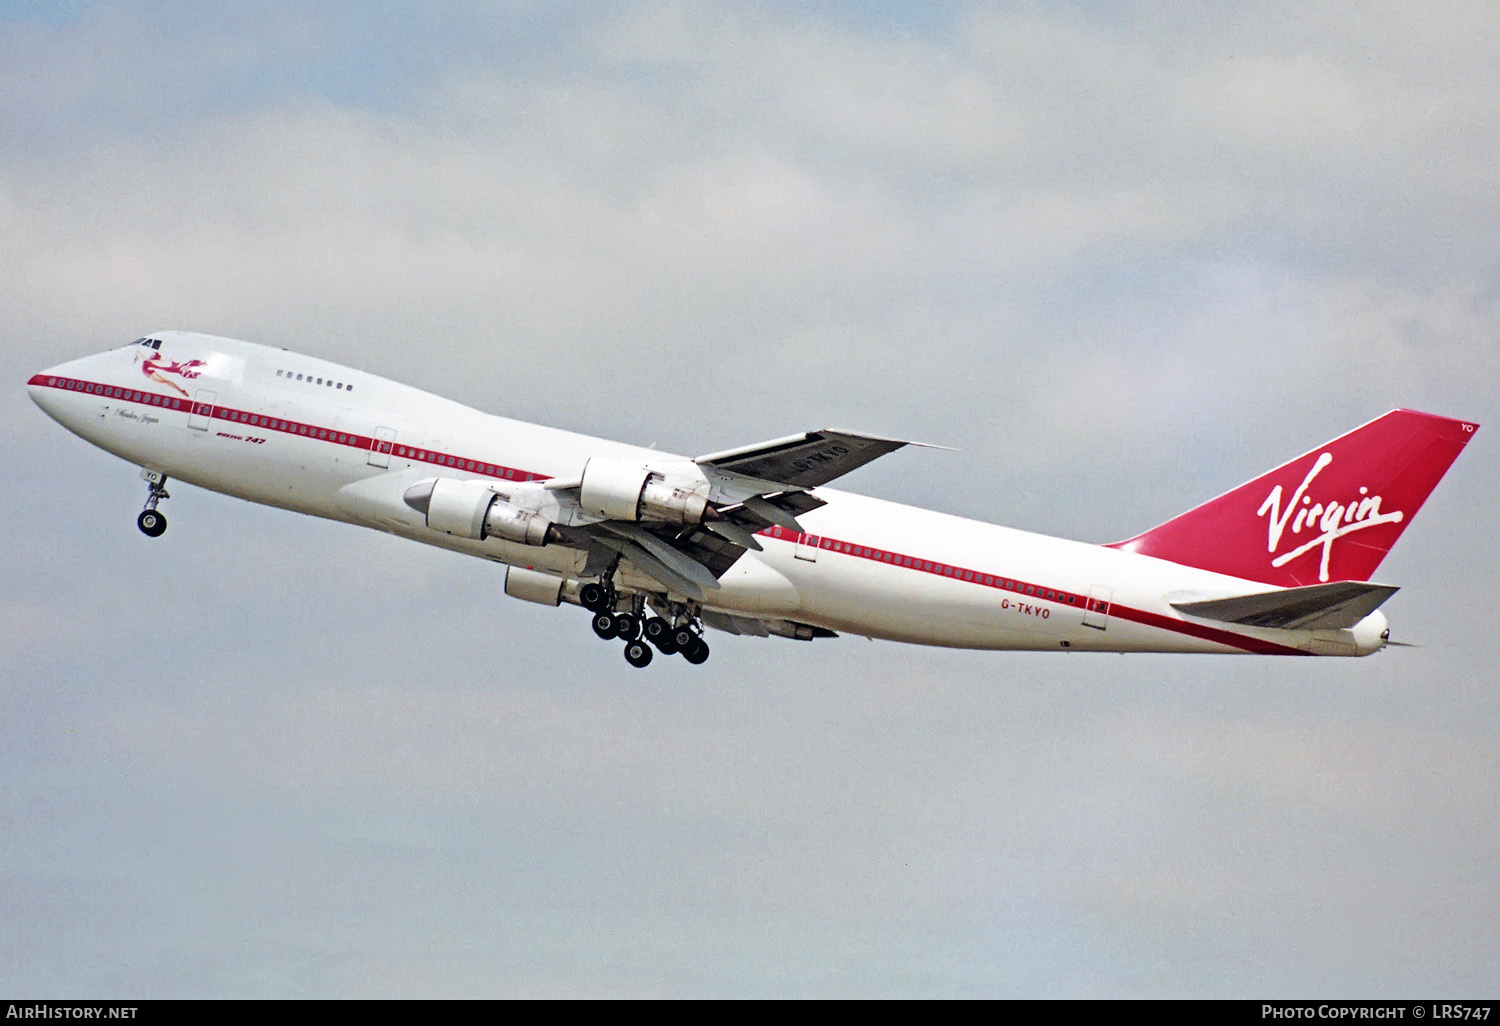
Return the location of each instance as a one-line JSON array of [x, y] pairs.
[[750, 540]]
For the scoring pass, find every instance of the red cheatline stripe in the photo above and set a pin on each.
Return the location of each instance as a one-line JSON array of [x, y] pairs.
[[365, 443], [249, 419], [1198, 630], [1037, 592]]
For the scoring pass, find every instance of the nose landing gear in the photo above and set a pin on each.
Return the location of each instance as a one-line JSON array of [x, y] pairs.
[[152, 522]]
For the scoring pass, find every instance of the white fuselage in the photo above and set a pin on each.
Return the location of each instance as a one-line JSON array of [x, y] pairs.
[[346, 445]]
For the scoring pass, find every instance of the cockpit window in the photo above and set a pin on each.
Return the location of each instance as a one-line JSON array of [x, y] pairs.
[[149, 343]]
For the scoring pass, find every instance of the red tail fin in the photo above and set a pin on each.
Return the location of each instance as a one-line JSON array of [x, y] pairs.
[[1329, 515]]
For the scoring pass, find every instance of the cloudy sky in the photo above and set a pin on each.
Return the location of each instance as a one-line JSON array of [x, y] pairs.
[[1122, 261]]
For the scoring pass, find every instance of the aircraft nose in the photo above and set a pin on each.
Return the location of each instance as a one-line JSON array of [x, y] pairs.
[[49, 389], [42, 388]]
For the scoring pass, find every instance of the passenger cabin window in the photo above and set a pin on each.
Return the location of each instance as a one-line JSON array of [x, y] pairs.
[[309, 379]]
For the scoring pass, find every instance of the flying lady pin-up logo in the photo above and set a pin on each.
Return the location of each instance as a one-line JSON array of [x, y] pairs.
[[154, 367], [1334, 520]]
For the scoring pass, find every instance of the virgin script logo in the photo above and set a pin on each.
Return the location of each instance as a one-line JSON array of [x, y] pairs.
[[1333, 519]]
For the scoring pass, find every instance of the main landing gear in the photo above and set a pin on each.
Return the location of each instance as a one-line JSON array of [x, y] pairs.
[[152, 522], [641, 634]]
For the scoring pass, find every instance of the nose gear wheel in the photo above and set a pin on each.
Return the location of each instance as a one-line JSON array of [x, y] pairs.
[[153, 522]]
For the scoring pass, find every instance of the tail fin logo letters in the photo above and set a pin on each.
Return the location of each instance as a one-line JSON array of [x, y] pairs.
[[1334, 519]]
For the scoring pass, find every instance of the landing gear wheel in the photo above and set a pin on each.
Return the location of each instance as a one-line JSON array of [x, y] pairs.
[[593, 597], [682, 639], [658, 632], [151, 523], [627, 626], [604, 625], [698, 653], [637, 653]]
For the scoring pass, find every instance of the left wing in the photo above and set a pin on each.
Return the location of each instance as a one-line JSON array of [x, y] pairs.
[[748, 489], [802, 461], [767, 483]]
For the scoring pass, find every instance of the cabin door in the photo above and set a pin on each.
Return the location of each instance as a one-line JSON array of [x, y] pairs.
[[202, 409], [1096, 615], [380, 447]]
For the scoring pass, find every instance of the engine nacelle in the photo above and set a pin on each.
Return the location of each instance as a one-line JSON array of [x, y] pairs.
[[533, 586], [469, 509], [622, 490], [518, 525]]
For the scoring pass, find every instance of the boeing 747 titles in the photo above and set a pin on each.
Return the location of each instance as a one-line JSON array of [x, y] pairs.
[[751, 540]]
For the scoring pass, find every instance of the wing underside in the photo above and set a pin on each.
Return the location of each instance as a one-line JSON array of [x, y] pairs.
[[689, 561]]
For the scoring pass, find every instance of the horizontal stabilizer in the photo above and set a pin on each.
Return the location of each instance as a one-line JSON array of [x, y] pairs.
[[1316, 607]]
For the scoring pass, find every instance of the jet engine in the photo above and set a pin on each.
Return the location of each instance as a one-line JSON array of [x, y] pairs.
[[622, 490], [469, 509]]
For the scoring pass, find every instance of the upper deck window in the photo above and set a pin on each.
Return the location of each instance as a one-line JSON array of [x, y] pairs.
[[311, 380]]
